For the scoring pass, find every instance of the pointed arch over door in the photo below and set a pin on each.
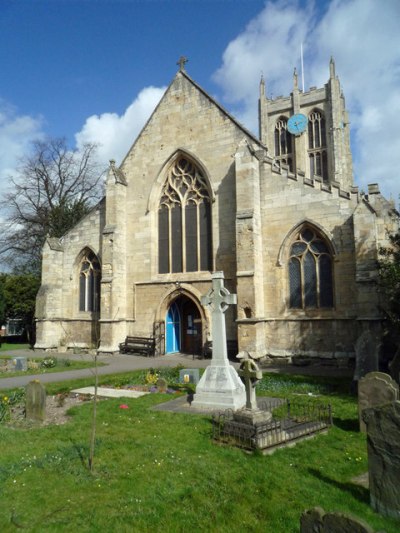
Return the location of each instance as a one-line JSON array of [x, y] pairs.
[[183, 332], [173, 329], [184, 220]]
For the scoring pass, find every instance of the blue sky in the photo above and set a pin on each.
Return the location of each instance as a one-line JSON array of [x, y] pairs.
[[93, 70]]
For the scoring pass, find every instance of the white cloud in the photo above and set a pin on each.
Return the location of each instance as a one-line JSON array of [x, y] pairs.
[[16, 134], [113, 133], [362, 36]]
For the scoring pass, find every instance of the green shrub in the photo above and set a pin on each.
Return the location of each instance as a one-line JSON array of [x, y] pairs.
[[48, 362]]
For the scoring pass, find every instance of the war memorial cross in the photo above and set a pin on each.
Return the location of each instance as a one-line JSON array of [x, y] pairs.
[[218, 299]]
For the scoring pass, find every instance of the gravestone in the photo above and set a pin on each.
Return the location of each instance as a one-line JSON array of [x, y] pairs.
[[376, 388], [383, 444], [316, 520], [250, 374], [189, 375], [20, 363], [220, 386], [250, 414], [367, 350], [35, 401], [394, 366], [162, 385]]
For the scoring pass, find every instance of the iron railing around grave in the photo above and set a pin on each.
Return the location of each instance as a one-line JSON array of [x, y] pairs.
[[291, 420]]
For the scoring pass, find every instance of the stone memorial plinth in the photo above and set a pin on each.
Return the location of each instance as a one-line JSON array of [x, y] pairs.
[[35, 401], [383, 443], [220, 386], [374, 389]]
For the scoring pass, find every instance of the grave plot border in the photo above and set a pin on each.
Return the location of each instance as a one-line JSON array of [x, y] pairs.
[[292, 421]]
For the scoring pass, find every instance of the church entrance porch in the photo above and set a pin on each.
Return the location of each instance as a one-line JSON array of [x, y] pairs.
[[183, 327]]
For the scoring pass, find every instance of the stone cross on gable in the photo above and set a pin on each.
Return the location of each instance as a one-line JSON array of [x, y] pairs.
[[218, 299], [250, 373], [182, 62]]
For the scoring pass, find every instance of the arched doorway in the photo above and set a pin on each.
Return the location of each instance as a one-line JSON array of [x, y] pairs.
[[183, 331]]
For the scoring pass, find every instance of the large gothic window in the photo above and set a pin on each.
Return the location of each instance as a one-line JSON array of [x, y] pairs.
[[310, 272], [89, 283], [184, 220], [283, 143], [317, 152]]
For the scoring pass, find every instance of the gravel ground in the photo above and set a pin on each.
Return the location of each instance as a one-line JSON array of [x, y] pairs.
[[56, 412]]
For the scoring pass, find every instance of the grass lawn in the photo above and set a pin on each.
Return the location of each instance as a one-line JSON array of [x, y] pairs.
[[45, 365], [7, 346], [160, 471]]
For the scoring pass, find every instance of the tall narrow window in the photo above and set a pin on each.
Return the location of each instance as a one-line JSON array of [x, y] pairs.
[[317, 152], [184, 221], [310, 272], [89, 283], [283, 143]]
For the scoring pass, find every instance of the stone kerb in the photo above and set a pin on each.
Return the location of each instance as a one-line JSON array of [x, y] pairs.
[[383, 443], [374, 389], [316, 520]]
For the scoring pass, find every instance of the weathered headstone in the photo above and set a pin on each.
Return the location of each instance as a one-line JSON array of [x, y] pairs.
[[383, 443], [251, 414], [220, 386], [20, 363], [189, 375], [250, 374], [316, 520], [367, 350], [376, 388], [162, 385], [35, 401], [394, 366]]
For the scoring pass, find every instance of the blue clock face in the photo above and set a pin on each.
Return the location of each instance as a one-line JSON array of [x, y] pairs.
[[297, 124]]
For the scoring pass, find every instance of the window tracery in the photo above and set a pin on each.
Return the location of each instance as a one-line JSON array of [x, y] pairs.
[[310, 272], [184, 220], [89, 283]]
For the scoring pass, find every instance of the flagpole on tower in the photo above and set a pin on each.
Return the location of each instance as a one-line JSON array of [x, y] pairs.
[[302, 65]]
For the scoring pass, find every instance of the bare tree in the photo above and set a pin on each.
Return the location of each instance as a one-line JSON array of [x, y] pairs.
[[52, 189]]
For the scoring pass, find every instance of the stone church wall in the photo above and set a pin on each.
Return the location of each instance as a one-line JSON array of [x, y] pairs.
[[256, 208], [60, 324]]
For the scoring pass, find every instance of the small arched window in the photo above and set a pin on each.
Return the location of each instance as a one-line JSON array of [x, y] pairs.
[[283, 143], [317, 152], [89, 283], [310, 271], [184, 220]]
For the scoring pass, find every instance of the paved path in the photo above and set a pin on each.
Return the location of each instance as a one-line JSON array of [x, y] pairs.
[[114, 364], [127, 363]]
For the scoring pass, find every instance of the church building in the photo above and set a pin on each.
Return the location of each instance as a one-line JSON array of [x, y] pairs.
[[197, 192]]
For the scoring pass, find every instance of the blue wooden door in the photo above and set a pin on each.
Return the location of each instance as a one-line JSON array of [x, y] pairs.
[[173, 329]]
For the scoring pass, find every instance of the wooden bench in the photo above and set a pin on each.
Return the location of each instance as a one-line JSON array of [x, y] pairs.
[[139, 345]]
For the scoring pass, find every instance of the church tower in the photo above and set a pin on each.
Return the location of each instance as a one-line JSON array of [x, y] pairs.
[[309, 131]]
